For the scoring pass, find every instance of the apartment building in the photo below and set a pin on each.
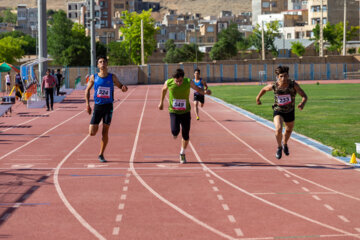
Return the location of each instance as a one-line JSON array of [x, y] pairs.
[[260, 7], [27, 20]]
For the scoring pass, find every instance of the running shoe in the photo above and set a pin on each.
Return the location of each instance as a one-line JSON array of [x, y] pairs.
[[278, 153], [182, 158], [286, 150], [197, 118], [101, 158]]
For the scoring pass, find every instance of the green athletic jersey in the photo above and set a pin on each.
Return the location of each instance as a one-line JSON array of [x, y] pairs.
[[179, 96]]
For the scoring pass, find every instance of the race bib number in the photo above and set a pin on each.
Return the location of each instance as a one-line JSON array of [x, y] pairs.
[[103, 92], [179, 104], [284, 99]]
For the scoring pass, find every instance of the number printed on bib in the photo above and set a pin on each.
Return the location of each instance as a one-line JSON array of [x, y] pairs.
[[103, 92], [179, 104], [284, 99]]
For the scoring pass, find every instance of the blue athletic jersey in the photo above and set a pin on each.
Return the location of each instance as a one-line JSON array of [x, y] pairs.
[[199, 84], [104, 89]]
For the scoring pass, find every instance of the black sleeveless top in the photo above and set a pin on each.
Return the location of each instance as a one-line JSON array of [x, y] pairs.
[[284, 97]]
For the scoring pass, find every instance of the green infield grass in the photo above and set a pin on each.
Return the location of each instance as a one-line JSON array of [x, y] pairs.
[[331, 115]]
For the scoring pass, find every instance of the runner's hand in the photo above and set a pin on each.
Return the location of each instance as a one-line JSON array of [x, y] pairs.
[[258, 102], [161, 106], [124, 88], [301, 106], [88, 109]]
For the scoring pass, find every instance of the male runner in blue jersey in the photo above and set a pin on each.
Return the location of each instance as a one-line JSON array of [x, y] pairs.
[[198, 97], [103, 97]]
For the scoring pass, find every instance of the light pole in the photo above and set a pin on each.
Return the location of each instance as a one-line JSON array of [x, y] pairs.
[[196, 46], [321, 45], [344, 34], [262, 41], [92, 37]]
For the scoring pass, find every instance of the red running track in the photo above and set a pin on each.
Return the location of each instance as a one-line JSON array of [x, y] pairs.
[[53, 187]]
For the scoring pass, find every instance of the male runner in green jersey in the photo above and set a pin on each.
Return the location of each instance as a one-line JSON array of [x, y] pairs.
[[179, 106]]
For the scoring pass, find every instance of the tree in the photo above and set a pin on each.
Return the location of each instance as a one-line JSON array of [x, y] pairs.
[[333, 34], [30, 46], [297, 48], [186, 53], [226, 46], [132, 34], [118, 54], [271, 31], [11, 49], [9, 17]]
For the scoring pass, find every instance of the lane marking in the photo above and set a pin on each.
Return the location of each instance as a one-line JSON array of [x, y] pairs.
[[62, 195], [156, 194], [126, 181], [211, 181], [38, 137], [123, 197], [329, 207], [296, 182], [305, 189], [231, 218], [270, 162], [316, 197], [215, 189], [266, 201], [125, 189], [207, 175], [225, 207], [287, 175], [343, 218], [128, 175], [118, 218], [121, 206], [116, 231], [357, 229], [238, 232], [220, 197]]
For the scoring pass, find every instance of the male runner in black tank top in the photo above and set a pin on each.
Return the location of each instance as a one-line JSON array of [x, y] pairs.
[[285, 91]]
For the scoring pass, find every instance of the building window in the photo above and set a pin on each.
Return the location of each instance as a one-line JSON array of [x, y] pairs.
[[210, 39], [266, 5], [69, 7], [288, 36], [210, 29], [105, 13]]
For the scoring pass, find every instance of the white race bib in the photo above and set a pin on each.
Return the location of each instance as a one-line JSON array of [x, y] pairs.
[[284, 99], [103, 92], [179, 104]]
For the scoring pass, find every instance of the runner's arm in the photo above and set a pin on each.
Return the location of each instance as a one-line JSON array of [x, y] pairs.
[[87, 93], [163, 94], [302, 94], [205, 84], [199, 90], [262, 92], [117, 83]]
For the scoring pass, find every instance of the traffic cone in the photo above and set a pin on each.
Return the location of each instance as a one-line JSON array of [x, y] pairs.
[[353, 159]]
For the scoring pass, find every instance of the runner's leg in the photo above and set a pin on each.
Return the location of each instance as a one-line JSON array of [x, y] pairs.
[[105, 138]]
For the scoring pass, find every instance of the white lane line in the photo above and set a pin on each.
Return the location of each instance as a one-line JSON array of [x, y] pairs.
[[220, 197], [357, 229], [272, 163], [316, 197], [62, 195], [118, 218], [156, 194], [211, 181], [121, 206], [264, 200], [280, 169], [123, 197], [329, 207], [116, 231], [43, 134], [215, 189], [125, 189], [305, 189], [287, 175], [296, 182], [343, 218], [231, 218], [126, 181], [238, 232], [225, 207]]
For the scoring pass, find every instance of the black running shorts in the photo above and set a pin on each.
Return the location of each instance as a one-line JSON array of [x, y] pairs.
[[102, 112], [199, 97], [288, 117], [180, 119]]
